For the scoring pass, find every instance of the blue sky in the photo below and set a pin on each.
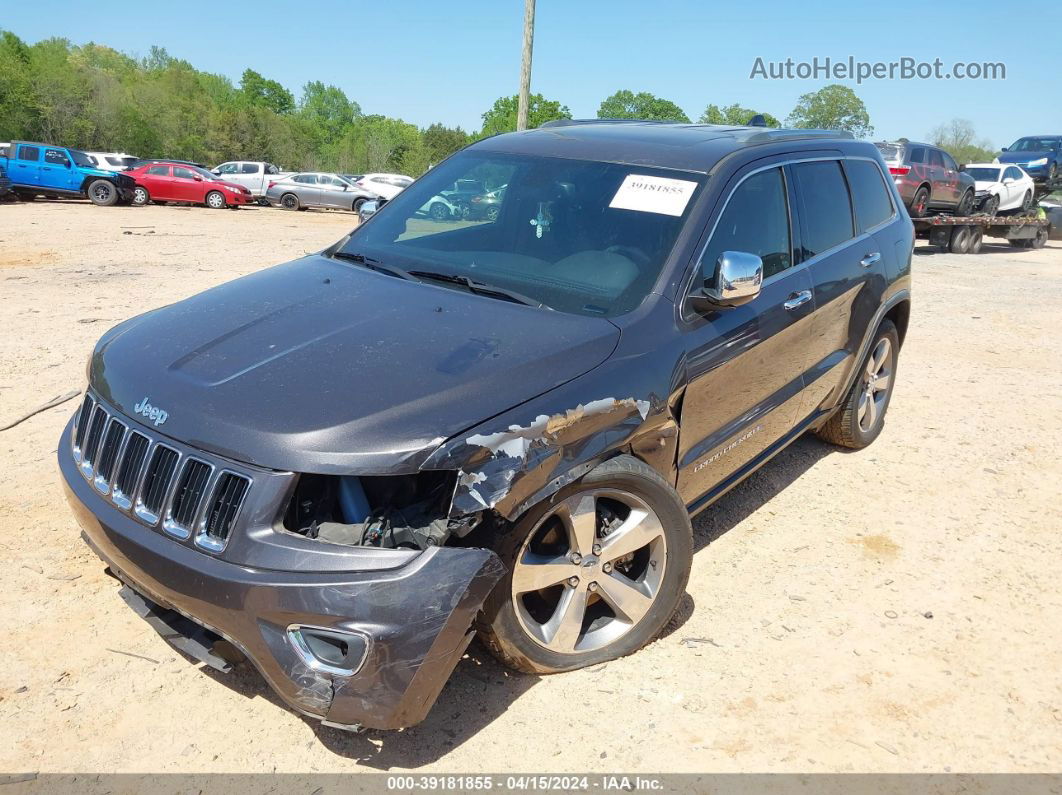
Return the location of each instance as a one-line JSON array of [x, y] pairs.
[[448, 61]]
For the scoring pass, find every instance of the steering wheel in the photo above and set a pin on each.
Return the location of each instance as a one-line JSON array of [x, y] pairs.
[[634, 254]]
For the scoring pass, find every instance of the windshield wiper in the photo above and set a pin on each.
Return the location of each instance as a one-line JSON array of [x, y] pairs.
[[480, 288], [374, 264]]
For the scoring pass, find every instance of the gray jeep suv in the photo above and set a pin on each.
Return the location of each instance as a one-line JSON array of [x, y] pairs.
[[345, 464]]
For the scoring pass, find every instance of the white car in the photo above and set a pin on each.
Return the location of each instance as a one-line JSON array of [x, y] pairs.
[[112, 161], [386, 186], [1001, 187]]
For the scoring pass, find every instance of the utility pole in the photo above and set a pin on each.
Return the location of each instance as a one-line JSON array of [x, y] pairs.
[[525, 66]]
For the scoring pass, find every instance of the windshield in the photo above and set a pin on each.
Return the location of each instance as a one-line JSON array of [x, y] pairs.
[[578, 236], [81, 159], [984, 174], [1035, 144], [210, 175]]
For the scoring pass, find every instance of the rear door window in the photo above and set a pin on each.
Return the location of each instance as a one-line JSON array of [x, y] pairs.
[[755, 221], [29, 153], [249, 168], [873, 205], [306, 179], [159, 171], [826, 210]]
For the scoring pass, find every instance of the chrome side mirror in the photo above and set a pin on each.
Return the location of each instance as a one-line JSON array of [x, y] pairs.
[[738, 279], [368, 210]]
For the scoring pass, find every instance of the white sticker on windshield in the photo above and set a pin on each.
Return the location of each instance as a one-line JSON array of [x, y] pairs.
[[653, 194]]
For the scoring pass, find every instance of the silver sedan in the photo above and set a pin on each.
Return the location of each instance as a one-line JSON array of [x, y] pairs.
[[316, 189]]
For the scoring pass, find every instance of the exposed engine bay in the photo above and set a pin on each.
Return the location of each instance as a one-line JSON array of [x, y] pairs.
[[394, 512]]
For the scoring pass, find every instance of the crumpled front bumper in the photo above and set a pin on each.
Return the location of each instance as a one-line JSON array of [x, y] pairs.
[[417, 615]]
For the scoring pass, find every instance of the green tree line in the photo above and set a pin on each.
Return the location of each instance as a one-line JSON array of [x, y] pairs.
[[96, 98]]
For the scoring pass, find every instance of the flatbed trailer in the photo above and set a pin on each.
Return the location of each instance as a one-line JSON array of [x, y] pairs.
[[965, 234]]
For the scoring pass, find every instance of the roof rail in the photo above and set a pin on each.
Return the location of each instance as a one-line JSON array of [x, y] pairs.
[[795, 135], [573, 122]]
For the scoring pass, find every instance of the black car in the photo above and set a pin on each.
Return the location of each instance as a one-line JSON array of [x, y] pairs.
[[344, 463]]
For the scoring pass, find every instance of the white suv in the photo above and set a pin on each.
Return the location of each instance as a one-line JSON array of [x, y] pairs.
[[112, 161], [387, 186]]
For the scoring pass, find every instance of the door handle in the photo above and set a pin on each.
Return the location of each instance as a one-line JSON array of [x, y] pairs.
[[797, 300], [870, 259]]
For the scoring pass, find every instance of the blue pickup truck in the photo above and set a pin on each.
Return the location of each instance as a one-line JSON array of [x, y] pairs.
[[42, 169]]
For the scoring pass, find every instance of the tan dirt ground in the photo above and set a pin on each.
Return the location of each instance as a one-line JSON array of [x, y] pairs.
[[894, 609]]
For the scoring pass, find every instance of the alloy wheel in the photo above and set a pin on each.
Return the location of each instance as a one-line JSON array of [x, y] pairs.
[[589, 571], [877, 380], [102, 191]]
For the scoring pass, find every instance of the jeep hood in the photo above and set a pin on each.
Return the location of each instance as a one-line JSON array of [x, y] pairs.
[[323, 366]]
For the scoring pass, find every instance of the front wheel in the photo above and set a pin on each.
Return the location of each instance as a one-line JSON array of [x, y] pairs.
[[439, 212], [861, 417], [215, 200], [991, 206], [103, 193], [140, 196], [965, 205], [595, 572], [356, 207]]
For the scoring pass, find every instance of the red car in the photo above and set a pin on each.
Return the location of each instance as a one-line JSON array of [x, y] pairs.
[[178, 182]]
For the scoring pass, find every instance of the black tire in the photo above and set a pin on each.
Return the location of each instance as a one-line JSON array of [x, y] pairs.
[[439, 212], [140, 196], [103, 193], [977, 237], [1021, 243], [215, 200], [1026, 202], [498, 625], [965, 205], [991, 206], [844, 428], [356, 207], [960, 240], [920, 203], [26, 197], [1052, 173], [1040, 240], [289, 201]]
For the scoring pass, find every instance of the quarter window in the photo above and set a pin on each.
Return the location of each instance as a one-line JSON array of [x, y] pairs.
[[917, 155], [869, 194], [826, 210], [756, 221]]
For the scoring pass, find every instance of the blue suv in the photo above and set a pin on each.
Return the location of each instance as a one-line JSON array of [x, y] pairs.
[[58, 171], [1039, 155]]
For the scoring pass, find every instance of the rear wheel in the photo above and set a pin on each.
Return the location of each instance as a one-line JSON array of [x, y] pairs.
[[920, 202], [1027, 201], [960, 240], [595, 572], [977, 236], [140, 196], [1040, 240], [215, 200], [289, 201], [862, 415], [103, 193]]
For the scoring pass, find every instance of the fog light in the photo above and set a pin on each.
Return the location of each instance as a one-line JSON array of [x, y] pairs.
[[333, 651]]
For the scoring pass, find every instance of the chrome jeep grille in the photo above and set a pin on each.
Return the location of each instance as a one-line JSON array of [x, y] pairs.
[[184, 494]]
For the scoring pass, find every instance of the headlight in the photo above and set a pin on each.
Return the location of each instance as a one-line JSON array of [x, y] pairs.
[[1041, 162]]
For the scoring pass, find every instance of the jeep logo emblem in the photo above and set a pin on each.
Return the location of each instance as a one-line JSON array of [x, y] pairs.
[[153, 413]]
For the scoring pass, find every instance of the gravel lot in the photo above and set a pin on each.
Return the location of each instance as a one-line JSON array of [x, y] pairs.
[[893, 609]]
